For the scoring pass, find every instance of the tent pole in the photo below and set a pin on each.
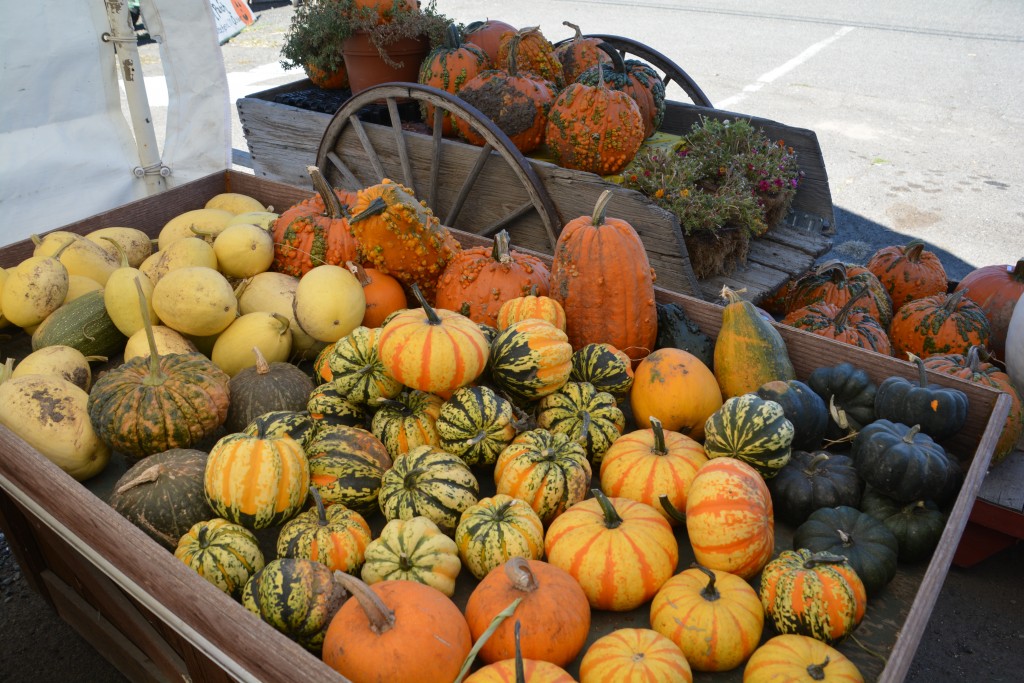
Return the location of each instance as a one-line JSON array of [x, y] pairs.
[[122, 35]]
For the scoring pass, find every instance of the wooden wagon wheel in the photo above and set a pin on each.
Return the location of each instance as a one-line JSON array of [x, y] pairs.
[[496, 141], [672, 72]]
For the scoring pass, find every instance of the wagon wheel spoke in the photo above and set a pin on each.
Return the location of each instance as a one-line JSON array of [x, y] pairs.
[[349, 141]]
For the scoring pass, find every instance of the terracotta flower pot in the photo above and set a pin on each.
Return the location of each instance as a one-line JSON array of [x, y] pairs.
[[367, 69]]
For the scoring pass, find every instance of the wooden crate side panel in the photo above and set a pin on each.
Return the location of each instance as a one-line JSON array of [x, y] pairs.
[[282, 139]]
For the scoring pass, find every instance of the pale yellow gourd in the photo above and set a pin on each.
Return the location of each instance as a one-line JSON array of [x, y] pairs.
[[207, 221], [235, 202], [167, 340], [195, 301], [79, 285], [61, 361], [264, 219], [121, 296], [189, 252], [329, 303], [268, 332], [30, 407], [243, 250], [275, 293], [79, 255], [34, 289], [137, 245]]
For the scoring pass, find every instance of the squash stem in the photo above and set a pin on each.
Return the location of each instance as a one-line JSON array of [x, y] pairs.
[[500, 252], [598, 217], [817, 671], [485, 636], [262, 366], [520, 667], [911, 433], [709, 592], [359, 272], [922, 372], [953, 300], [376, 207], [823, 558], [812, 466], [332, 205], [618, 65], [612, 519], [203, 537], [659, 437], [574, 27], [839, 322], [147, 476], [671, 510], [321, 511], [121, 254], [519, 574], [156, 375], [382, 619], [432, 317], [912, 251]]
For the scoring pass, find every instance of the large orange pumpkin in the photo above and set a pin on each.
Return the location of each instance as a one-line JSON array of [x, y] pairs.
[[834, 282], [677, 388], [648, 463], [602, 278], [996, 289], [487, 36], [938, 324], [534, 53], [553, 609], [578, 54], [449, 67], [634, 654], [729, 517], [593, 539], [478, 281], [714, 617], [792, 657], [908, 272], [396, 631], [847, 323]]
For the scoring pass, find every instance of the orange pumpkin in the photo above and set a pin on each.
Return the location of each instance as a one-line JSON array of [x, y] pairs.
[[384, 294], [908, 272], [487, 36], [634, 654], [996, 289], [714, 617], [534, 671], [478, 281], [578, 54], [532, 305], [834, 282], [649, 463], [335, 79], [792, 657], [938, 324], [432, 351], [553, 608], [591, 539], [449, 67], [848, 323], [396, 631], [635, 78], [677, 388], [602, 278], [729, 517], [534, 54], [315, 231]]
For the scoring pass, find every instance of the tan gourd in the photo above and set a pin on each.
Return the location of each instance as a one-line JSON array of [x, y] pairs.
[[235, 202], [329, 303], [167, 342], [34, 289], [275, 293], [207, 221], [195, 301], [184, 253], [79, 255], [268, 332], [121, 297], [61, 361], [137, 245], [243, 250]]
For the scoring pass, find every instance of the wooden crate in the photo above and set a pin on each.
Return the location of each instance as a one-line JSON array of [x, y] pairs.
[[158, 621]]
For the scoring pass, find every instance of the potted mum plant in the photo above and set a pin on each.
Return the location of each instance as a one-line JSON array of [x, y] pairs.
[[375, 40]]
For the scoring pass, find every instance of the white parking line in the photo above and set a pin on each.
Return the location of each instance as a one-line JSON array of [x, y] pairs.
[[779, 71]]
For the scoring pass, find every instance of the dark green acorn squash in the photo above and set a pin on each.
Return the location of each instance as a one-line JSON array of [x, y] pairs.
[[751, 429], [676, 330], [584, 414], [604, 366], [346, 465], [811, 481], [264, 387], [164, 495], [850, 391], [904, 464], [476, 424], [328, 406], [867, 543], [941, 411], [295, 423], [803, 407], [917, 526]]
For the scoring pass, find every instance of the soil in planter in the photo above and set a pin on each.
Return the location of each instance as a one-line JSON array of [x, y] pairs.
[[717, 254], [329, 101]]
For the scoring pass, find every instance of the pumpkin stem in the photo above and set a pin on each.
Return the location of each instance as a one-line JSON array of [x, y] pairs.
[[150, 474], [659, 437], [671, 510], [909, 507], [520, 667], [732, 296], [121, 254], [404, 563], [844, 538], [332, 205], [262, 366], [361, 275], [574, 27], [519, 574], [203, 536], [612, 519], [156, 375], [382, 619], [377, 206], [500, 251], [953, 300], [911, 433], [618, 65], [7, 370], [321, 511], [839, 322], [812, 466], [598, 217], [710, 591], [409, 482], [511, 65], [284, 322], [533, 290], [432, 317], [823, 558], [912, 250], [834, 269], [485, 636], [1017, 272], [922, 371], [817, 671], [452, 37]]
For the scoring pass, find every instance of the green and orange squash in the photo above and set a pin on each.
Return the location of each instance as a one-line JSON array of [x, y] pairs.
[[428, 482], [334, 536], [494, 530], [908, 271], [353, 365], [939, 324], [749, 351], [549, 471], [413, 549], [584, 414], [751, 429], [476, 424], [634, 654], [407, 421], [605, 367], [346, 465], [450, 66], [223, 553], [530, 359]]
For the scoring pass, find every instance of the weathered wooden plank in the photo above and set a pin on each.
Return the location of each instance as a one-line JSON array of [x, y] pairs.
[[1004, 485]]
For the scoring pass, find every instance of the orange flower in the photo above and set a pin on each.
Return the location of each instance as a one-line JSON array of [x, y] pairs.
[[659, 193]]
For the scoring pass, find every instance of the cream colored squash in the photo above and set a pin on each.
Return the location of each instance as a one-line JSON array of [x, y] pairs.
[[244, 250], [207, 221], [34, 289], [79, 285], [137, 245], [329, 303], [189, 252], [79, 255], [167, 341], [1015, 347], [195, 301], [264, 219], [29, 407], [235, 202], [121, 299], [275, 293], [61, 361], [233, 350]]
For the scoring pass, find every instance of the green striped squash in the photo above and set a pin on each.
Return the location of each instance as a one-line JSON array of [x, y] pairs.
[[353, 366], [407, 421], [751, 429], [530, 359], [413, 550], [295, 423], [82, 324], [329, 406], [334, 536], [496, 529], [604, 366], [584, 414], [296, 596], [222, 552], [346, 465], [476, 424], [427, 481], [549, 471]]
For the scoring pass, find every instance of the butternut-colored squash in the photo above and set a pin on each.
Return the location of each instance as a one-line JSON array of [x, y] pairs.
[[749, 351]]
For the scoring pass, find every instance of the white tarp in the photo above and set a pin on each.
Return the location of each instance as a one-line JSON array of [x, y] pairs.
[[66, 149]]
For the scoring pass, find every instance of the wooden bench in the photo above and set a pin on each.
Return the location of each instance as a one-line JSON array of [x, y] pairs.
[[997, 518]]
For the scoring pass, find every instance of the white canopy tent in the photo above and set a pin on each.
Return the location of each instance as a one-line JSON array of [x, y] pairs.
[[66, 149]]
